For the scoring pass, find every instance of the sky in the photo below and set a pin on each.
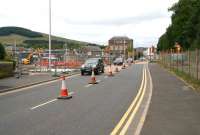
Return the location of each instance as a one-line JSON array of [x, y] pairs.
[[94, 21]]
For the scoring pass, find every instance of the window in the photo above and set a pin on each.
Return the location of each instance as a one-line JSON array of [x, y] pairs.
[[111, 47]]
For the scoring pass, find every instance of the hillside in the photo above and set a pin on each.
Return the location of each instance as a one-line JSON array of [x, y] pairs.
[[31, 39]]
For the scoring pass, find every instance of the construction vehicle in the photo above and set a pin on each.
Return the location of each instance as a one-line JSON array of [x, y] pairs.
[[27, 60]]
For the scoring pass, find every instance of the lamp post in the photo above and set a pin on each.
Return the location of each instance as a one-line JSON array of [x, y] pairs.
[[65, 57], [124, 51], [50, 35]]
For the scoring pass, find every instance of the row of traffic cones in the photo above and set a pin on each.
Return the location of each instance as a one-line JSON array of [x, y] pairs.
[[64, 94], [110, 74]]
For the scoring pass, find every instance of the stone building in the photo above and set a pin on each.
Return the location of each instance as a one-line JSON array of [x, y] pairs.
[[121, 46]]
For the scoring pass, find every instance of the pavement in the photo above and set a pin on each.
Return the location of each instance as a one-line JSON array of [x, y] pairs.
[[12, 83], [93, 109], [174, 108]]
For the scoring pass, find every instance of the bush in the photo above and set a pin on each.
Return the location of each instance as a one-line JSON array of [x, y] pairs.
[[2, 52], [6, 69]]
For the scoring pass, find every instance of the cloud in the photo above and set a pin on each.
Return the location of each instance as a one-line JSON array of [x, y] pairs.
[[91, 20], [120, 20]]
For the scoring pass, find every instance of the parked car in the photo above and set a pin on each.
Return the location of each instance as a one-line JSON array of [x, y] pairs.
[[129, 60], [118, 61], [96, 63], [142, 59]]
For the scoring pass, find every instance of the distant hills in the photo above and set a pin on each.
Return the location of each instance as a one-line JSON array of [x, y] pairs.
[[7, 31], [31, 39]]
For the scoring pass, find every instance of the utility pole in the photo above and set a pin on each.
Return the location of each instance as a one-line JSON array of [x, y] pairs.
[[124, 51], [49, 35], [14, 55], [65, 54]]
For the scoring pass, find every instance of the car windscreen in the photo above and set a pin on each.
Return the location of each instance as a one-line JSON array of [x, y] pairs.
[[118, 59], [91, 62]]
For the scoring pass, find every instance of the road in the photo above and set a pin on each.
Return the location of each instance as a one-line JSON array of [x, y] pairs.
[[93, 110]]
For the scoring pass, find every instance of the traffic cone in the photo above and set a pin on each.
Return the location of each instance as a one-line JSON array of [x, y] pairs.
[[93, 78], [110, 73], [116, 69], [124, 66], [64, 92], [129, 63]]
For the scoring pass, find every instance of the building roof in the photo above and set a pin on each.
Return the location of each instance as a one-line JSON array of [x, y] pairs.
[[120, 38], [92, 48]]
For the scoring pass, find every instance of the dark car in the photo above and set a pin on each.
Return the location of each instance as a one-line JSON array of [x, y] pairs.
[[118, 61], [96, 63]]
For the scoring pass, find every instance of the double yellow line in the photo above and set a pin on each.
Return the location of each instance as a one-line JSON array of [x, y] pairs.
[[128, 117]]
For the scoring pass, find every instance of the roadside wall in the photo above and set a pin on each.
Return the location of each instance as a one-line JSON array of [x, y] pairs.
[[6, 69]]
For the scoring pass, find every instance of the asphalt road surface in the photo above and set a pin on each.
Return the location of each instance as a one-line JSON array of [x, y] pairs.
[[93, 110]]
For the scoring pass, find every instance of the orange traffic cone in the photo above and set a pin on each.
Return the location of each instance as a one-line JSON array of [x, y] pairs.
[[93, 78], [124, 66], [116, 69], [64, 92], [110, 71], [129, 63]]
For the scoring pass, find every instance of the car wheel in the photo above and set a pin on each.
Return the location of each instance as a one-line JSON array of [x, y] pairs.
[[90, 73], [96, 72], [102, 70], [82, 73]]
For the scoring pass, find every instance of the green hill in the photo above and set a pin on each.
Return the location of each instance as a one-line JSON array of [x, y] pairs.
[[31, 39]]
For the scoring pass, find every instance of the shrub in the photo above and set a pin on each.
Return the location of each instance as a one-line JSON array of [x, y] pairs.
[[2, 52]]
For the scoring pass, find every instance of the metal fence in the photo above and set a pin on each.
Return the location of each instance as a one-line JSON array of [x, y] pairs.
[[187, 62]]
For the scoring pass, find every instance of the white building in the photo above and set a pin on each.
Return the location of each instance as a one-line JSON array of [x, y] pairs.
[[150, 53]]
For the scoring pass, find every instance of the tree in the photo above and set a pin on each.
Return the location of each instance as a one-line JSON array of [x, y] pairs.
[[185, 26], [2, 52]]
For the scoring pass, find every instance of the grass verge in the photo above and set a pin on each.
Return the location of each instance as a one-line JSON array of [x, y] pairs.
[[185, 77]]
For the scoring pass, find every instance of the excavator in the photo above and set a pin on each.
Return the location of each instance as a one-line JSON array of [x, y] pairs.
[[28, 59]]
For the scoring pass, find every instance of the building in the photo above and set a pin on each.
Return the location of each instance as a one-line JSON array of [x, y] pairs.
[[91, 51], [150, 53], [139, 52], [121, 46]]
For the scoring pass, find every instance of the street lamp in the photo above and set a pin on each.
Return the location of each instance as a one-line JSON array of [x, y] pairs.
[[50, 35], [124, 51]]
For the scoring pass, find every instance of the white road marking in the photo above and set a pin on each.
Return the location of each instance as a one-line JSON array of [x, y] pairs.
[[32, 108], [98, 81], [88, 85], [53, 100]]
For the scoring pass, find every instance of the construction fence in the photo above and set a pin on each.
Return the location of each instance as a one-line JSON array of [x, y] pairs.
[[187, 62]]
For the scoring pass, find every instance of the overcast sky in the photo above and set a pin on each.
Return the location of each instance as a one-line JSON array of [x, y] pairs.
[[93, 21]]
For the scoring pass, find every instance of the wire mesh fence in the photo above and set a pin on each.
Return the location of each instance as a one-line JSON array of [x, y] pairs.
[[187, 62]]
